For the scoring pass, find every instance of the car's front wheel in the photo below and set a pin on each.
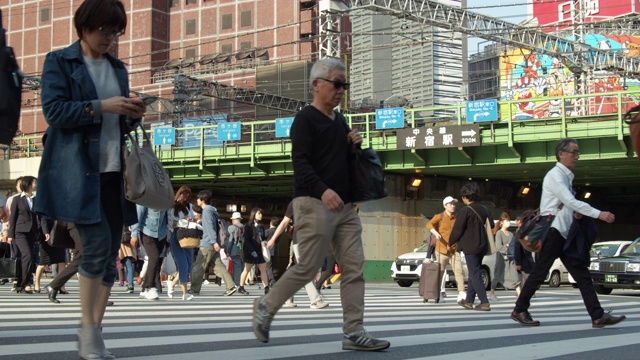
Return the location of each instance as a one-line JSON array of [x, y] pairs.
[[554, 279], [486, 278], [602, 290], [405, 283]]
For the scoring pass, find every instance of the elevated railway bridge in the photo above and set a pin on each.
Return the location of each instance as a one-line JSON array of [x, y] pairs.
[[509, 157]]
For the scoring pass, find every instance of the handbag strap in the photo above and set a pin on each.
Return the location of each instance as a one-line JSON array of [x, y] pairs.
[[632, 119], [474, 210]]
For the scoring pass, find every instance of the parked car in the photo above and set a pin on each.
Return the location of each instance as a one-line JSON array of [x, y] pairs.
[[406, 269], [558, 274], [604, 249], [617, 272]]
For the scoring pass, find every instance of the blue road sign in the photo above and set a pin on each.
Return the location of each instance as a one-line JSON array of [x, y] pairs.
[[389, 118], [163, 136], [482, 110], [228, 131], [283, 127]]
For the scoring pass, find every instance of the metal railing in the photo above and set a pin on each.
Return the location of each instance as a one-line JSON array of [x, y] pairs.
[[258, 141]]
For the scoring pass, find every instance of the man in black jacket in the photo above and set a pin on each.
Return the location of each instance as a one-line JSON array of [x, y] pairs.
[[325, 217]]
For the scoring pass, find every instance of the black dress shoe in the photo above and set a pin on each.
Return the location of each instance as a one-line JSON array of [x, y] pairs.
[[607, 320], [110, 303], [524, 318], [63, 292], [52, 294]]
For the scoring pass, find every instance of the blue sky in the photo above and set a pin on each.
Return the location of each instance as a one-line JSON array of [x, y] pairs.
[[509, 10]]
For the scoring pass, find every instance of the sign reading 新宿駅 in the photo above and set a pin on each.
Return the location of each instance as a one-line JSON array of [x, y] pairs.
[[389, 118], [482, 110], [438, 137]]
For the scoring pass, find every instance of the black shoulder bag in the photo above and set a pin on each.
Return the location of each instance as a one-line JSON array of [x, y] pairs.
[[11, 90]]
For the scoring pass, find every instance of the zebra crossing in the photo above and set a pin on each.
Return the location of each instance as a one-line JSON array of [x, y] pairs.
[[213, 326]]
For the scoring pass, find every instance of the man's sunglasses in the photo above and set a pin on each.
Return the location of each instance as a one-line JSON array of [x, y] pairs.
[[337, 84], [110, 32]]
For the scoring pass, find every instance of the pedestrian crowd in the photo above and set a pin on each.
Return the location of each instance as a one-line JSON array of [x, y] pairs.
[[88, 106]]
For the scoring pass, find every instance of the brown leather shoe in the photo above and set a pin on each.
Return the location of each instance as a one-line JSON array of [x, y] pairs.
[[524, 318], [607, 320], [466, 305], [483, 307]]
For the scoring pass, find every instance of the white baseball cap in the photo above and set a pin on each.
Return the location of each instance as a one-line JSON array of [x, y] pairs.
[[236, 215], [449, 199]]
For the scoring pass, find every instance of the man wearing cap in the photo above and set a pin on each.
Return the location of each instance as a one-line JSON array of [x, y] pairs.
[[234, 245], [440, 227]]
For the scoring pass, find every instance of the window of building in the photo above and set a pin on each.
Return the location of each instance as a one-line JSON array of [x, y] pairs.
[[190, 27], [245, 18], [226, 49], [245, 45], [222, 103], [190, 53], [192, 2], [227, 21], [174, 3], [44, 14]]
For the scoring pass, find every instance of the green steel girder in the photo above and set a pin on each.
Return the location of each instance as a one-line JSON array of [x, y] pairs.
[[511, 151]]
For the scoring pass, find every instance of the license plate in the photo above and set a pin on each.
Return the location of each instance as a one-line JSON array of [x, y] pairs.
[[611, 278], [405, 268]]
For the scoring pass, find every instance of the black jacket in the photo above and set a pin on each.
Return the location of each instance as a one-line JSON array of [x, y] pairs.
[[523, 257], [469, 230], [582, 234], [22, 219]]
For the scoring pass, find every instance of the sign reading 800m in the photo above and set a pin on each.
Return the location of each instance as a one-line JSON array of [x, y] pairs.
[[438, 137]]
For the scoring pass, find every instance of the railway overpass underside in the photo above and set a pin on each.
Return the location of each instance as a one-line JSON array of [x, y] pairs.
[[509, 162]]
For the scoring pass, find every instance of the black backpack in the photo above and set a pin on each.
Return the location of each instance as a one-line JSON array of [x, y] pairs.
[[10, 88]]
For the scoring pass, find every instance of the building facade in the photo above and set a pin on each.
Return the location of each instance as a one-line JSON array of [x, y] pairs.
[[216, 40]]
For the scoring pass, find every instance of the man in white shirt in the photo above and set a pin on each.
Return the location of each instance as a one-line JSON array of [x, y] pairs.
[[558, 199]]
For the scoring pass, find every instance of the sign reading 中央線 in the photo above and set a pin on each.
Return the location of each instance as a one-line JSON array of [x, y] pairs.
[[163, 136], [435, 137], [389, 118], [283, 127], [228, 131], [482, 110]]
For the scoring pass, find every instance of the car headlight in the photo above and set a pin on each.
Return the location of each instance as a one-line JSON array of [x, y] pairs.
[[633, 267], [595, 266]]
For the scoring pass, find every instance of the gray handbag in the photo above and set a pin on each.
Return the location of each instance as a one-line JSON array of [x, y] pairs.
[[146, 182]]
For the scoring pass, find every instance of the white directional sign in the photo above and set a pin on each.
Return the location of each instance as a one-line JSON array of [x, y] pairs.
[[438, 137]]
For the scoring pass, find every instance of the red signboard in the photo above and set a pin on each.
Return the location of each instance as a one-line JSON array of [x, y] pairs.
[[556, 15]]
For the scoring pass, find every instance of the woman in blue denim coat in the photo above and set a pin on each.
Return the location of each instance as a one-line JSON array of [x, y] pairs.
[[85, 100]]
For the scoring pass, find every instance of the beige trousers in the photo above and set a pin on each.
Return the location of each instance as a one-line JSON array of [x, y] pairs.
[[317, 231], [456, 265]]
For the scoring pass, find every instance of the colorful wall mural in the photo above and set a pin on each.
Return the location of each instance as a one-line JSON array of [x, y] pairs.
[[534, 79]]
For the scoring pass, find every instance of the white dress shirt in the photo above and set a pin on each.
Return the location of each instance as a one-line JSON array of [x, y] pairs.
[[557, 191]]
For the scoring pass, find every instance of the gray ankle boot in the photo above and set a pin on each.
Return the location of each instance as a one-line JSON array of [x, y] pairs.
[[90, 343]]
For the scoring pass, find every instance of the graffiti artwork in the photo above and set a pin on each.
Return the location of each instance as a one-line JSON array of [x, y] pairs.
[[539, 83]]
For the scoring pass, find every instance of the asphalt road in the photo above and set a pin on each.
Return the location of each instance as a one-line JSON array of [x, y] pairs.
[[217, 327]]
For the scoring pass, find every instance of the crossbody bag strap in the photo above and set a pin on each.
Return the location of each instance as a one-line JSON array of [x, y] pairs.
[[474, 210]]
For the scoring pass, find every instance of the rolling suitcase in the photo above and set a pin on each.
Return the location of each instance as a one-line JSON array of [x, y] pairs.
[[429, 287]]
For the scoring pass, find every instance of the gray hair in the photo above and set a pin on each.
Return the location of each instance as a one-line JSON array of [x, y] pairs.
[[323, 68], [563, 145]]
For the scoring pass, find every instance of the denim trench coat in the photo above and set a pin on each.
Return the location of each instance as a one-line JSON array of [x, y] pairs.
[[69, 176]]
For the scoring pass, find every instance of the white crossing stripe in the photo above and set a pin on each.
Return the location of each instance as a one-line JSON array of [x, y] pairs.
[[214, 326]]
